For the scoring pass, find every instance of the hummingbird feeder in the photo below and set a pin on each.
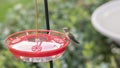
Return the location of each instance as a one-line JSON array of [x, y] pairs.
[[38, 45]]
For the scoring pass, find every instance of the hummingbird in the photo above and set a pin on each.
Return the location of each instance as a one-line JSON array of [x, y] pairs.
[[70, 35]]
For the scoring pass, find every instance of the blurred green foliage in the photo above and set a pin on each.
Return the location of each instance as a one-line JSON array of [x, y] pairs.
[[5, 5], [94, 51]]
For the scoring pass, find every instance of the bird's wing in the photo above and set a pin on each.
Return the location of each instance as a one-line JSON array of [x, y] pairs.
[[72, 38]]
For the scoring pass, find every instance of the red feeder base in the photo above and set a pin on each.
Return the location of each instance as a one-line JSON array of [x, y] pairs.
[[44, 46]]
